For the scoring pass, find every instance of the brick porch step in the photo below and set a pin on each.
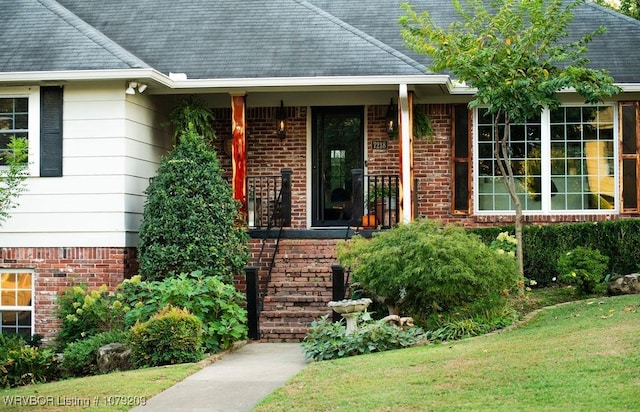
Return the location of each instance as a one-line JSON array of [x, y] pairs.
[[284, 333]]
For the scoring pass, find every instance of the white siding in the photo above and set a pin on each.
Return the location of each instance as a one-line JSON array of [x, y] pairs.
[[112, 146]]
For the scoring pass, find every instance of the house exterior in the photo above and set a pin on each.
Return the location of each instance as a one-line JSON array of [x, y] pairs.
[[304, 93]]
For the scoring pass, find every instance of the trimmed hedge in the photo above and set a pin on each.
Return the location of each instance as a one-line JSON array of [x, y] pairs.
[[619, 240]]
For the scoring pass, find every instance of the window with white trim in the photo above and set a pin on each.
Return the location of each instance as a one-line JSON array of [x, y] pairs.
[[14, 120], [16, 302], [563, 162]]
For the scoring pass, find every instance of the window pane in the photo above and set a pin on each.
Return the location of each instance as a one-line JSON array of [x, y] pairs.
[[16, 293], [585, 180]]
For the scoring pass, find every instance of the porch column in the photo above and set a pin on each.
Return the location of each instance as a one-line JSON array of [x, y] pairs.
[[406, 154], [239, 151]]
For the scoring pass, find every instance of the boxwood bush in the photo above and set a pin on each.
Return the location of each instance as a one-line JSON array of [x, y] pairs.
[[619, 240], [80, 357], [171, 336]]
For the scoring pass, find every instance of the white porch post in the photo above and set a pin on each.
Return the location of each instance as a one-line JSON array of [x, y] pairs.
[[406, 154]]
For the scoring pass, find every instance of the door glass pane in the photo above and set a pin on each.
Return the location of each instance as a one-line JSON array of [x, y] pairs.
[[338, 139]]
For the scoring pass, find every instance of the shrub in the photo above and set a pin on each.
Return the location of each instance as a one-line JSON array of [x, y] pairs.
[[218, 305], [328, 340], [84, 313], [24, 365], [80, 358], [583, 268], [423, 268], [619, 240], [170, 337], [190, 219]]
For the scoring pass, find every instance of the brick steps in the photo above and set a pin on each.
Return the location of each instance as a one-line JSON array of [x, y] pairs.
[[299, 290]]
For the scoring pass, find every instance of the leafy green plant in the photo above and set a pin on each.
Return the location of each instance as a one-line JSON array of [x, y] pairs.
[[12, 177], [504, 243], [24, 365], [583, 268], [328, 340], [80, 358], [422, 268], [192, 111], [190, 219], [171, 336], [83, 313], [422, 125], [218, 305]]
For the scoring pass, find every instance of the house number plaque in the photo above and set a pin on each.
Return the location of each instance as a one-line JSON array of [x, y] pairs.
[[379, 145]]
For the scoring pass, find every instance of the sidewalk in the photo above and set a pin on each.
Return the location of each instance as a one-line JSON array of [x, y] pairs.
[[235, 383]]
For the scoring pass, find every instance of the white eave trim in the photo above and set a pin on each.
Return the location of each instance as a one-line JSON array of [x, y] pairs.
[[173, 83]]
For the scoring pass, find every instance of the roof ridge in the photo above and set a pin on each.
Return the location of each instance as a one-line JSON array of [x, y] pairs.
[[93, 34], [367, 37], [613, 12]]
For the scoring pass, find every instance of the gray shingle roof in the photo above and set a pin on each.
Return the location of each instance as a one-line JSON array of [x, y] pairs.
[[41, 35], [213, 39]]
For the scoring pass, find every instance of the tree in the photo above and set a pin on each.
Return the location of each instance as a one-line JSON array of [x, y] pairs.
[[190, 219], [13, 175], [629, 7], [517, 55]]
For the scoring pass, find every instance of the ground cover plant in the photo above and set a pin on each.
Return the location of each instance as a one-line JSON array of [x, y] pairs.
[[583, 354]]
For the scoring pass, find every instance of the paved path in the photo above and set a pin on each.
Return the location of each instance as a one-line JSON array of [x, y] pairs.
[[235, 383]]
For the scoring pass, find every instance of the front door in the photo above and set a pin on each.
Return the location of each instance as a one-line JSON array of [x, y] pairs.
[[338, 147]]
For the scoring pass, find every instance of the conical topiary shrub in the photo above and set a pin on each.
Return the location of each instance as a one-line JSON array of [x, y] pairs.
[[190, 219]]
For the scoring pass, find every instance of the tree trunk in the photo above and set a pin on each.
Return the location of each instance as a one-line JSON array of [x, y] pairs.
[[503, 158]]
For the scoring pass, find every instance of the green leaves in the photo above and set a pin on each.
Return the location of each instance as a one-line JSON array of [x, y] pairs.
[[190, 217], [13, 177], [515, 53]]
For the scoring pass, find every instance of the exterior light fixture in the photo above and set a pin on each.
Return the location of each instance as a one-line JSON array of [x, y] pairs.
[[281, 121], [391, 119], [132, 86]]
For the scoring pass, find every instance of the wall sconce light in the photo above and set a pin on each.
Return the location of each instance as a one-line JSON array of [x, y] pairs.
[[132, 86], [281, 121], [391, 119]]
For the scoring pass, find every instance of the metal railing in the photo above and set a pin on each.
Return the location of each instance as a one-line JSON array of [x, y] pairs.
[[376, 200]]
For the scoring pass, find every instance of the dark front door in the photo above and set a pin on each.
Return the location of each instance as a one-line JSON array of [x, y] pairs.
[[337, 140]]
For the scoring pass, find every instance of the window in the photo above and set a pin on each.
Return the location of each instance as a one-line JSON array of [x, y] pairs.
[[16, 302], [563, 161], [14, 120]]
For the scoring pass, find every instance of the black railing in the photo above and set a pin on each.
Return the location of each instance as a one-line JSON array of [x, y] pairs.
[[269, 200], [376, 200], [268, 207]]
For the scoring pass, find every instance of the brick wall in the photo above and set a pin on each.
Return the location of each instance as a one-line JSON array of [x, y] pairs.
[[57, 269]]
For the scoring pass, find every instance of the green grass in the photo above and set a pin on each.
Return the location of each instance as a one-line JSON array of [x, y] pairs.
[[582, 356], [101, 392]]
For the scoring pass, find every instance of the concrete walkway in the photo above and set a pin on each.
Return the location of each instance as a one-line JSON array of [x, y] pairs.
[[235, 383]]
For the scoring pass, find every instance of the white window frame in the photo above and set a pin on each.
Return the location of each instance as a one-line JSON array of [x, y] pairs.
[[16, 308], [33, 94], [545, 122]]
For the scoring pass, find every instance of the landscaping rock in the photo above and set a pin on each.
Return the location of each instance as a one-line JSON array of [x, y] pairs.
[[625, 285], [114, 357]]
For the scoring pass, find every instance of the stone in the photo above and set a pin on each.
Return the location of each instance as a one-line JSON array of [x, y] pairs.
[[624, 285], [114, 357]]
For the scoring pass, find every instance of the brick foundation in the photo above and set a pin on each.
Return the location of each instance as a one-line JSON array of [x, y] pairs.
[[57, 269]]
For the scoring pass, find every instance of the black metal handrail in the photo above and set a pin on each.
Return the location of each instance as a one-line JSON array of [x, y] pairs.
[[376, 200], [273, 212]]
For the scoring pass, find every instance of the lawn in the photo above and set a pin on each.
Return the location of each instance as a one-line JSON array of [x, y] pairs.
[[581, 356], [578, 356]]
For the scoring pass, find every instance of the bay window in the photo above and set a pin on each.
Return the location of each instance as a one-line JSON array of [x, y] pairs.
[[563, 161]]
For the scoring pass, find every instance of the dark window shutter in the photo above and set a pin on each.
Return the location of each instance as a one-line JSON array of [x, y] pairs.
[[630, 130], [51, 131], [461, 159]]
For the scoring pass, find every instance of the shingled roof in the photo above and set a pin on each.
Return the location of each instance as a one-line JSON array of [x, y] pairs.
[[227, 39]]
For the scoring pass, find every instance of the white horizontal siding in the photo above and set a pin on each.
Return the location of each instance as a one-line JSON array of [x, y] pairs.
[[112, 146]]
